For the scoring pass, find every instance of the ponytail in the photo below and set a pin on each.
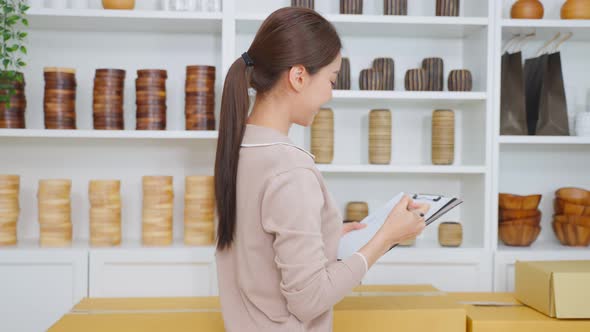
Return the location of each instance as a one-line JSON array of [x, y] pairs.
[[232, 124]]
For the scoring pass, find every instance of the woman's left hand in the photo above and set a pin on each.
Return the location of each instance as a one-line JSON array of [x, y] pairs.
[[352, 226]]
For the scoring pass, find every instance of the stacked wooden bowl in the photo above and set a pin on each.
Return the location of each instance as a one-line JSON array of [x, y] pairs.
[[443, 137], [150, 90], [158, 203], [107, 106], [322, 136], [571, 222], [200, 98], [519, 219], [380, 136], [59, 103], [356, 211], [105, 212], [55, 212], [9, 208], [199, 210], [13, 116]]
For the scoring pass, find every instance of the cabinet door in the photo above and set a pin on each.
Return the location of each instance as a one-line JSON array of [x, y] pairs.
[[462, 270], [38, 286], [152, 272]]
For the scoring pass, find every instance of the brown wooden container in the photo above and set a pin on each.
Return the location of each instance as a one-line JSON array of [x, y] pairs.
[[460, 80], [105, 212], [54, 207], [570, 234], [157, 211], [380, 136], [518, 202], [322, 136], [395, 7], [564, 207], [527, 9], [574, 195], [13, 116], [443, 137], [9, 209], [200, 98], [356, 211], [434, 68], [386, 67], [351, 7], [150, 91], [108, 98], [447, 7], [576, 10], [370, 79], [519, 235], [450, 234], [343, 79], [303, 3], [415, 80], [199, 210], [59, 102]]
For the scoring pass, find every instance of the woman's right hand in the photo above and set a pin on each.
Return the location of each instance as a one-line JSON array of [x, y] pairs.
[[404, 221]]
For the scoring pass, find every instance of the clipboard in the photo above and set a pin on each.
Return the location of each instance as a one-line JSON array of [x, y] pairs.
[[354, 241]]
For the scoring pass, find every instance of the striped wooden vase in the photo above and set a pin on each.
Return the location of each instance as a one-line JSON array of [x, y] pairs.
[[443, 137], [303, 3], [322, 136], [386, 67], [434, 73], [395, 7], [356, 211], [343, 79], [460, 80], [380, 136], [447, 7], [415, 80], [370, 79], [351, 7]]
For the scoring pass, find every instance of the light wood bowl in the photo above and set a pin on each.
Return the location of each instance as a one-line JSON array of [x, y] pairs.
[[517, 202], [519, 235], [574, 195], [564, 207], [357, 211], [450, 234], [572, 235], [507, 215], [532, 221], [574, 220]]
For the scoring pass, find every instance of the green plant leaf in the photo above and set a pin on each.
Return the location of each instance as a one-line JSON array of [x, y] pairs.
[[25, 22], [23, 49]]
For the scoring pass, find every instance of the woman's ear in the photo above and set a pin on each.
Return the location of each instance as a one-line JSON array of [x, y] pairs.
[[297, 77]]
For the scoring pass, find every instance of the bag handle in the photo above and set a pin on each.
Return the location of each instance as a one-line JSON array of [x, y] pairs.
[[563, 40]]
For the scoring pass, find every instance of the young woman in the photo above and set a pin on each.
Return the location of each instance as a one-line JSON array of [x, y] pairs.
[[279, 226]]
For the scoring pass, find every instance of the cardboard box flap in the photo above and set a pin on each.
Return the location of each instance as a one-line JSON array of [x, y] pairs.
[[534, 291], [400, 303], [148, 304], [574, 294], [396, 290]]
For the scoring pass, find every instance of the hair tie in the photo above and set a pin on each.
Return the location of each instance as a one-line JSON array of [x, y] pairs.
[[247, 59]]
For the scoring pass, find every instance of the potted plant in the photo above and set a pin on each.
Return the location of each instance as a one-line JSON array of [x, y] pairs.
[[12, 47]]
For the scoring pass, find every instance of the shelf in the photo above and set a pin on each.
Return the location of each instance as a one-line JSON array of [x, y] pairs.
[[542, 248], [120, 134], [124, 20], [420, 169], [412, 97], [543, 140], [385, 25], [546, 29]]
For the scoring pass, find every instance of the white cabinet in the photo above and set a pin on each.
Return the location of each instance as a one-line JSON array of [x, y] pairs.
[[37, 286], [133, 271]]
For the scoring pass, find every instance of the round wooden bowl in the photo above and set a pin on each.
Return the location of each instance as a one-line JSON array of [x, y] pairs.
[[415, 80], [356, 211], [574, 220], [508, 215], [57, 70], [571, 234], [118, 4], [527, 9], [110, 72], [564, 207], [576, 10], [517, 202], [574, 195], [450, 234], [460, 80], [152, 73], [531, 221], [520, 235]]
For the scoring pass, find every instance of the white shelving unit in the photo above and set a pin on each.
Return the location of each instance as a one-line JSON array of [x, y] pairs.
[[540, 164]]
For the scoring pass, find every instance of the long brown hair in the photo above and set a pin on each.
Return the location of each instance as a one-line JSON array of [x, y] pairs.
[[288, 37]]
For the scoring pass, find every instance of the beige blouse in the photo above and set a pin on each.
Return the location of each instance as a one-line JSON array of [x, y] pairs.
[[281, 272]]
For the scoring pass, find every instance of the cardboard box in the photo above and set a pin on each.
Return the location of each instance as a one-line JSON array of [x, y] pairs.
[[436, 313], [493, 312], [558, 289], [143, 314]]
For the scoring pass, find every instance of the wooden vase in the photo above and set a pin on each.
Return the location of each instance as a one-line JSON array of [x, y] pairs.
[[460, 80], [351, 7], [395, 7], [527, 9], [576, 10], [447, 7], [450, 234], [370, 79], [356, 211], [380, 136], [434, 68], [343, 79], [386, 67], [415, 80], [13, 116], [322, 136], [303, 3], [200, 98], [443, 137]]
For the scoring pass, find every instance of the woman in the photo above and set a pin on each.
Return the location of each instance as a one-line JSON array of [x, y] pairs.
[[279, 226]]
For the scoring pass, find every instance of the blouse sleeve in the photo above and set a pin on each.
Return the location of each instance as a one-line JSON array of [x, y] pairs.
[[291, 211]]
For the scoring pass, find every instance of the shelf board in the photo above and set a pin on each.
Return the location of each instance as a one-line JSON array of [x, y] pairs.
[[544, 247], [383, 169], [387, 25], [411, 97], [546, 29], [126, 244], [124, 20], [100, 134], [543, 140]]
